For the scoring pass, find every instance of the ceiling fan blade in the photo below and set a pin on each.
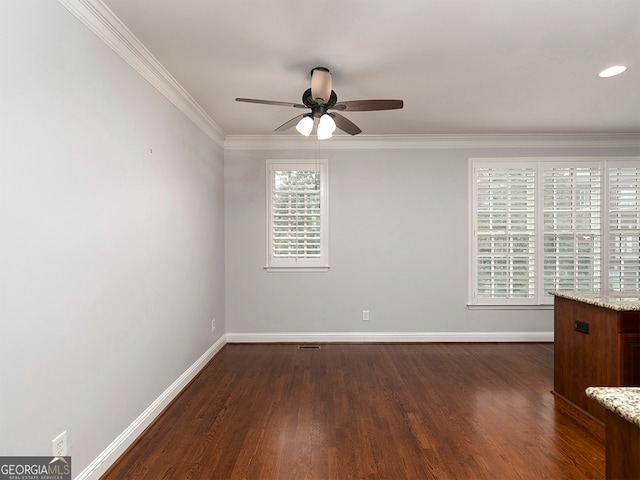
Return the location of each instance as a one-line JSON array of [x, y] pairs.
[[271, 102], [368, 105], [345, 124], [287, 125], [320, 84]]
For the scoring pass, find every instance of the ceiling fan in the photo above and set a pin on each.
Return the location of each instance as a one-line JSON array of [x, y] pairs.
[[320, 98]]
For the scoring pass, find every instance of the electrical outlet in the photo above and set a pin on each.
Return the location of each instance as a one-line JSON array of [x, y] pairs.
[[582, 327], [365, 315], [59, 445], [213, 325]]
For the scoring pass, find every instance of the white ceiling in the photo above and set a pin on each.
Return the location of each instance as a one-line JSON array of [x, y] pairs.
[[461, 66]]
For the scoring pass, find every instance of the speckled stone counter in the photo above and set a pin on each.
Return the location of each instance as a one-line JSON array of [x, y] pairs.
[[622, 443], [619, 301], [625, 401]]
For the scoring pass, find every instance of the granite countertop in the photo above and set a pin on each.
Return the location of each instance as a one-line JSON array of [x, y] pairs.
[[625, 401], [620, 301]]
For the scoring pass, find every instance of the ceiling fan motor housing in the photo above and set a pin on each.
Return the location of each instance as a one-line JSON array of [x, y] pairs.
[[318, 109]]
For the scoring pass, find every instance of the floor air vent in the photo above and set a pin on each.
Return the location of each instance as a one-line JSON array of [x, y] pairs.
[[308, 347]]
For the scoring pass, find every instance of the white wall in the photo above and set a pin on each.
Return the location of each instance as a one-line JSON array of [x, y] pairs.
[[398, 247], [111, 237]]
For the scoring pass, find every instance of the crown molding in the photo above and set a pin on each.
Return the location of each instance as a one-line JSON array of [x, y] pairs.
[[96, 16], [453, 141]]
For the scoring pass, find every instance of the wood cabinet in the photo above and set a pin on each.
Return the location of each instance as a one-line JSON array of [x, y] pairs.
[[621, 447], [593, 346], [629, 346]]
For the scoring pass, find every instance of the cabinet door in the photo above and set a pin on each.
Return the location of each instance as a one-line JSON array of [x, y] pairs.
[[629, 348]]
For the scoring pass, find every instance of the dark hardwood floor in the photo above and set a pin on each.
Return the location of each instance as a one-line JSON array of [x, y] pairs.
[[363, 411]]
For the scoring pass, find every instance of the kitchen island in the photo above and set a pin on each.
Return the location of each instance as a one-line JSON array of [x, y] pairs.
[[622, 450], [596, 343]]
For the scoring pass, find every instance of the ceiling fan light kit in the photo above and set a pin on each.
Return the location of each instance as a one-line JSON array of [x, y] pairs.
[[320, 98], [320, 84], [305, 125], [326, 127]]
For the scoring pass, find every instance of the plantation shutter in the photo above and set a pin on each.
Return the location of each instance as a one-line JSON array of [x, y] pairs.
[[296, 214], [540, 225], [624, 228], [572, 198], [504, 232]]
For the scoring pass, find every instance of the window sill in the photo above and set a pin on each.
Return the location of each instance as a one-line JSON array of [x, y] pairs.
[[296, 269], [493, 306]]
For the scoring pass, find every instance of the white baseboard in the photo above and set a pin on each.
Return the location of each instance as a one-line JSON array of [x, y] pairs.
[[390, 337], [103, 461]]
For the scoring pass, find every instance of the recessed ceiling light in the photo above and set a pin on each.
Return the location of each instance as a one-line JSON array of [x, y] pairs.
[[612, 71]]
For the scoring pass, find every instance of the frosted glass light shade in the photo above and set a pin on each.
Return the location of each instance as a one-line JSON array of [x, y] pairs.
[[320, 84], [326, 127], [305, 125]]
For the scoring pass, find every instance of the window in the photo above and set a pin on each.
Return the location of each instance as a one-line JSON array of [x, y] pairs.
[[297, 214], [624, 227], [505, 235], [547, 224], [571, 229]]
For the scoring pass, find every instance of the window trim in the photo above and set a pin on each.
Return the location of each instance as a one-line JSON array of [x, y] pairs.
[[299, 265], [539, 300]]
